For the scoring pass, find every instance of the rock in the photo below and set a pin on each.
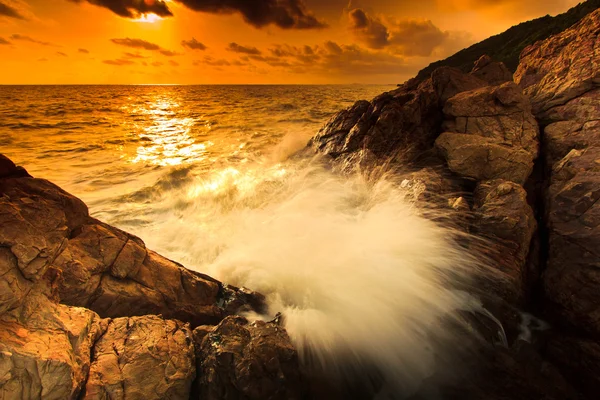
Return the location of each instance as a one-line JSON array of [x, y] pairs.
[[490, 134], [100, 267], [142, 358], [561, 68], [479, 158], [580, 361], [239, 360], [9, 169], [572, 278], [45, 350], [505, 219], [563, 136], [397, 125], [494, 73], [448, 82]]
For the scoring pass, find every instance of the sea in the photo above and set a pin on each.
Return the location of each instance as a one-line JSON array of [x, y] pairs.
[[203, 175]]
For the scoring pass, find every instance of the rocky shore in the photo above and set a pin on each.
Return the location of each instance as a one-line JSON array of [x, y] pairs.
[[87, 311]]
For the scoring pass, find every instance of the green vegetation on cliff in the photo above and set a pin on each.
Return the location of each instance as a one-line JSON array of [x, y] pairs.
[[507, 46]]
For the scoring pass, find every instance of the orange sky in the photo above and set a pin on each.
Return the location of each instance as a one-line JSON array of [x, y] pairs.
[[243, 41]]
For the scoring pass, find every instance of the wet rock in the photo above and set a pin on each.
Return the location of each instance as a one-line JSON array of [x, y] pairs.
[[9, 169], [490, 134], [142, 358], [396, 125], [45, 350], [494, 73], [242, 360], [561, 68], [572, 278], [505, 219]]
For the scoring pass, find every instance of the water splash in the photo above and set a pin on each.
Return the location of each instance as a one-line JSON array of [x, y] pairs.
[[363, 279]]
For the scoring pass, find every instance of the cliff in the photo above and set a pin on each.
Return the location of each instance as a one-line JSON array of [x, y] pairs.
[[517, 161]]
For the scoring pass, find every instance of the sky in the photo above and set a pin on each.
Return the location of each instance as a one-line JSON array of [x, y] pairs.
[[244, 41]]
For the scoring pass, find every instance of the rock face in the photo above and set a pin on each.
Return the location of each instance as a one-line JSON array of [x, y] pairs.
[[490, 134], [52, 251], [494, 73], [561, 75], [239, 360], [140, 357]]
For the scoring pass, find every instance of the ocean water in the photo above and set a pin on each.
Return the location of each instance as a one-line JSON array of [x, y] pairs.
[[202, 174]]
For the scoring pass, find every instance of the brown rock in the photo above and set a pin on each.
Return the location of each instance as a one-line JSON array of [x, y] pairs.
[[239, 360], [45, 350], [572, 278], [494, 73], [561, 68], [490, 134], [448, 82], [142, 358], [503, 217]]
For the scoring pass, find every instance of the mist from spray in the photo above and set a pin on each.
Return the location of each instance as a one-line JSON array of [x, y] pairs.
[[362, 277]]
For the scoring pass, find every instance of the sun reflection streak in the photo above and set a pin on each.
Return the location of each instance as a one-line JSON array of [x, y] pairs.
[[167, 140]]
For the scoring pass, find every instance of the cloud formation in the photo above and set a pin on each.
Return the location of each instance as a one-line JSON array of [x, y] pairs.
[[236, 48], [83, 51], [193, 44], [286, 14], [405, 37], [60, 53], [24, 38], [144, 45], [4, 41], [118, 62], [6, 10], [132, 8]]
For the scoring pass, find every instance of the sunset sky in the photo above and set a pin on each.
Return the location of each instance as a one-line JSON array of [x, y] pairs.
[[243, 41]]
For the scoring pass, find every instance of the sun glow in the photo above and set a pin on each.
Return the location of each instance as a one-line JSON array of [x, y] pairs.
[[149, 18]]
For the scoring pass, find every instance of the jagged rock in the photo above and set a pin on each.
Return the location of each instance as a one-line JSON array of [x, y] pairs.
[[494, 73], [9, 169], [561, 68], [563, 136], [396, 125], [45, 350], [239, 360], [490, 134], [503, 216], [103, 268], [572, 279], [448, 82], [142, 358]]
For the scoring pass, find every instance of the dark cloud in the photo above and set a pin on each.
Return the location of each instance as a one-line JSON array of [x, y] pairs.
[[157, 64], [83, 51], [144, 45], [119, 62], [174, 63], [332, 58], [24, 38], [370, 30], [132, 8], [236, 48], [133, 55], [60, 53], [406, 37], [286, 14], [9, 11], [4, 41], [136, 43], [193, 44]]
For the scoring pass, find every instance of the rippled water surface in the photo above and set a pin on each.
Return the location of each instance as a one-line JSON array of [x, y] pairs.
[[102, 141]]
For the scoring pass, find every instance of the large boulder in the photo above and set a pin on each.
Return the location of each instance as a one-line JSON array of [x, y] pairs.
[[490, 71], [44, 229], [504, 218], [561, 68], [238, 360], [45, 350], [142, 358], [490, 133]]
